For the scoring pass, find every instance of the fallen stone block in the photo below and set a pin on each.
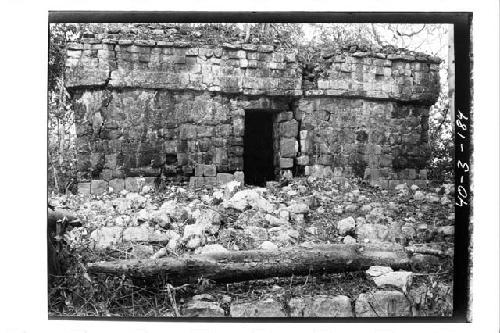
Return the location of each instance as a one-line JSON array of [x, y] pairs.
[[106, 236], [136, 234], [372, 232], [321, 306], [265, 308], [200, 308], [346, 225], [383, 303], [399, 279]]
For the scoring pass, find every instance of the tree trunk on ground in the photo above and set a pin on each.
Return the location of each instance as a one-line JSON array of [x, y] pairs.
[[259, 264]]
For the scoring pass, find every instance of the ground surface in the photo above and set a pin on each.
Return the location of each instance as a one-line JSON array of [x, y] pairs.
[[302, 211]]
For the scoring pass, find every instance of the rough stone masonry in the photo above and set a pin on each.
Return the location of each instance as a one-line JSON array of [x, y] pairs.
[[148, 102]]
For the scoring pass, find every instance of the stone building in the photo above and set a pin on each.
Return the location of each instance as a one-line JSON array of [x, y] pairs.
[[149, 103]]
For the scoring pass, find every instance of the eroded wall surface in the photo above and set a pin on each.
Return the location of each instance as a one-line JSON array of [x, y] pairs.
[[150, 106]]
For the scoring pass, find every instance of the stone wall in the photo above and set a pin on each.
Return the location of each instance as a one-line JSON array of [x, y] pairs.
[[365, 113], [245, 69], [377, 140], [145, 106]]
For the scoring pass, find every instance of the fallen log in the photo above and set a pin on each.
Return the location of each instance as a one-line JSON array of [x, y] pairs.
[[236, 266]]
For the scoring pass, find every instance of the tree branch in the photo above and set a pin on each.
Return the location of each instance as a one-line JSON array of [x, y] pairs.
[[376, 35], [403, 34]]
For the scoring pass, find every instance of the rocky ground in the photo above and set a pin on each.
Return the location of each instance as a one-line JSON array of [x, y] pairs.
[[302, 212]]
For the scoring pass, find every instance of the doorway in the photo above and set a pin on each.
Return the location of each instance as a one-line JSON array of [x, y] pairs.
[[258, 153]]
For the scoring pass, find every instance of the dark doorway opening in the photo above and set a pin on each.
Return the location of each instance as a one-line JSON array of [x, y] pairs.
[[258, 148]]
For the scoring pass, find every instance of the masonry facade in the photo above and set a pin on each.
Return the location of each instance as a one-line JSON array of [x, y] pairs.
[[153, 104]]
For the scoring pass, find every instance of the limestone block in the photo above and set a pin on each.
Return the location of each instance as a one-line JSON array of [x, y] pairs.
[[382, 303], [303, 160], [195, 182], [289, 129], [75, 46], [265, 308], [221, 156], [235, 151], [249, 47], [209, 170], [204, 131], [106, 174], [200, 308], [187, 131], [325, 159], [253, 56], [287, 147], [373, 232], [84, 188], [135, 234], [98, 187], [286, 163], [210, 181], [290, 57], [320, 306], [117, 184], [323, 84], [198, 170], [223, 130], [223, 178], [320, 171], [74, 53], [399, 279], [182, 159], [132, 184], [346, 225], [337, 172], [106, 236], [239, 176], [284, 116], [266, 48], [277, 65], [236, 162], [238, 126], [243, 63], [252, 63]]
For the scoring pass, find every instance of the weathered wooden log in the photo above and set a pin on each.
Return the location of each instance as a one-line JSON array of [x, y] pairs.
[[57, 214], [57, 222], [258, 264]]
